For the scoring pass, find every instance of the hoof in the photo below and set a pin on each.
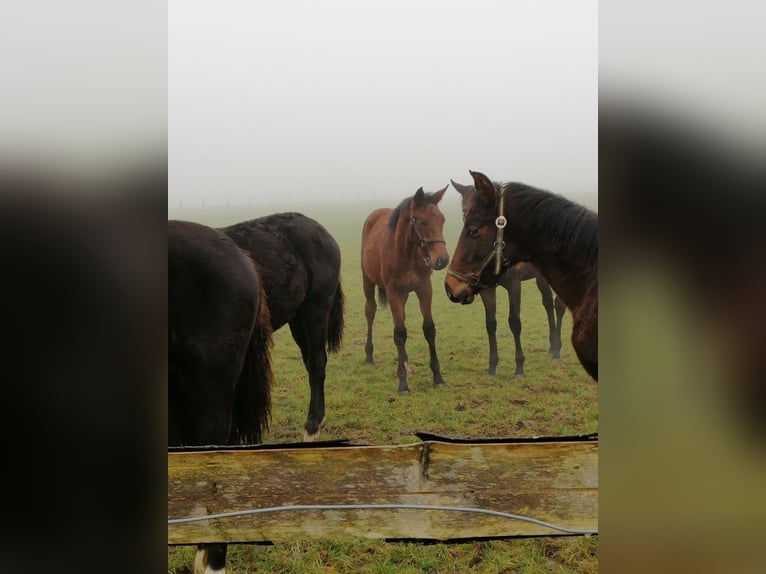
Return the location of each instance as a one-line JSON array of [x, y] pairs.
[[313, 437], [404, 393], [439, 384], [518, 376], [200, 561]]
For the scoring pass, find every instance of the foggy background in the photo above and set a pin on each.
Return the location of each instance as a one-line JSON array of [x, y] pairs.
[[681, 478], [310, 101]]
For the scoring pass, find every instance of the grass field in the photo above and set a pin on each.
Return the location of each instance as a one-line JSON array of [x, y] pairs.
[[363, 406]]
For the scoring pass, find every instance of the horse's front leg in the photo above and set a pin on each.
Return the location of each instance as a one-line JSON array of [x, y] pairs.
[[369, 312], [558, 304], [489, 298], [514, 322], [397, 301], [429, 330]]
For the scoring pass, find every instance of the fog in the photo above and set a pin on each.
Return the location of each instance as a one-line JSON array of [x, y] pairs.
[[311, 101]]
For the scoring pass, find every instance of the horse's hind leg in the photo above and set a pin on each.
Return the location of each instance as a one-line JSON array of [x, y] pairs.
[[369, 312], [309, 329], [202, 420], [200, 401], [554, 336], [210, 559], [212, 426], [489, 298], [429, 330]]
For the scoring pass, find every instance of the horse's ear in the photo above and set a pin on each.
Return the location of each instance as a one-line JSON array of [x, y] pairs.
[[462, 189], [484, 187], [437, 195], [419, 196]]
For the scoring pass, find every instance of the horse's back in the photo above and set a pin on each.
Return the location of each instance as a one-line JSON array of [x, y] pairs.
[[373, 232], [317, 247], [207, 273], [298, 260], [375, 218]]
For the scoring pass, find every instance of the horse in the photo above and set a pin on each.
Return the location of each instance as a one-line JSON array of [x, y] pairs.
[[506, 223], [511, 281], [299, 262], [219, 343], [401, 248]]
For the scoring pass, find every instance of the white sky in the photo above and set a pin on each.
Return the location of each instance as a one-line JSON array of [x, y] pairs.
[[344, 99]]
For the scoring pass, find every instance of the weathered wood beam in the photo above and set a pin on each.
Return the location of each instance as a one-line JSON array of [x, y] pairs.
[[555, 482]]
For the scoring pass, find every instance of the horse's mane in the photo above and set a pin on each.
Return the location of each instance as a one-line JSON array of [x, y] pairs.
[[404, 206], [569, 228]]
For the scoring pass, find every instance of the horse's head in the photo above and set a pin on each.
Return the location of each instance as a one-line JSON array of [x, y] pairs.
[[427, 223], [473, 264]]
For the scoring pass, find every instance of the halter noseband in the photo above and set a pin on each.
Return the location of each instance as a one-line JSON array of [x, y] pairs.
[[423, 242], [501, 262]]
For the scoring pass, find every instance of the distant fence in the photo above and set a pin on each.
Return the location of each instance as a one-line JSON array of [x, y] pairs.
[[381, 491]]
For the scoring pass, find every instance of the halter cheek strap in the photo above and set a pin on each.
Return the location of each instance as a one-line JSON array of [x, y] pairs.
[[500, 223]]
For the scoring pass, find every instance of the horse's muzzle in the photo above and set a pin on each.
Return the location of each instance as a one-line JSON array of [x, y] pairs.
[[464, 297], [440, 263]]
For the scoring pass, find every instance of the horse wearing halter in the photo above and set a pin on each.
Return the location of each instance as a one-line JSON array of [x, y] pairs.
[[423, 242]]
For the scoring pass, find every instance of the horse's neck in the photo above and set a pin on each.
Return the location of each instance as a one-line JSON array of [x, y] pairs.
[[569, 279], [403, 239]]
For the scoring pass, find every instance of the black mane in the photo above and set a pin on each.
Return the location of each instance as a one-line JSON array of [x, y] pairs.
[[404, 206], [569, 228]]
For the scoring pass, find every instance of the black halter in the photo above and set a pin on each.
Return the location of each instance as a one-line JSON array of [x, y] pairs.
[[423, 242], [501, 262]]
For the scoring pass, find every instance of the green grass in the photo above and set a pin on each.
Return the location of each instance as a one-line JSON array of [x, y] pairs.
[[532, 556], [363, 406]]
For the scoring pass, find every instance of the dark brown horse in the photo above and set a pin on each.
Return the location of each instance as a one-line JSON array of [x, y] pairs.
[[219, 342], [512, 222], [511, 281], [400, 249], [299, 263]]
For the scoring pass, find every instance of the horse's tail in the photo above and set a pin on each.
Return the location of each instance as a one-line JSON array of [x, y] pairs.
[[336, 323], [382, 298], [252, 401]]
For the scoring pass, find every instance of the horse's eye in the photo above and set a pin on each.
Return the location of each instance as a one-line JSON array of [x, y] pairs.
[[472, 231]]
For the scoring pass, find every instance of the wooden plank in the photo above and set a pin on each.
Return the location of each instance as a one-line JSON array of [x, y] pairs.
[[555, 482]]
